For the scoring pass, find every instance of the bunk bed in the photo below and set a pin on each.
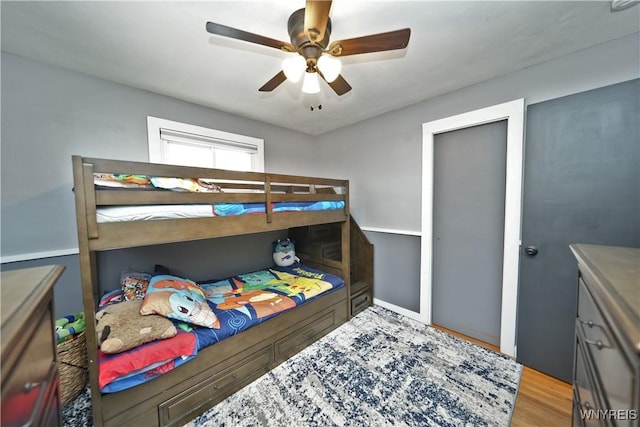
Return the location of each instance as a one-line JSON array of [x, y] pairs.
[[274, 202]]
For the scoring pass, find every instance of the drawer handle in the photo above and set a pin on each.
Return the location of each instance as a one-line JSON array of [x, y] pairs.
[[30, 386], [363, 302], [217, 385], [586, 405], [589, 323], [598, 344]]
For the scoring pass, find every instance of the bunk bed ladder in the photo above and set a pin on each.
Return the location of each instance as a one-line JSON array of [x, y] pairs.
[[322, 246], [361, 270]]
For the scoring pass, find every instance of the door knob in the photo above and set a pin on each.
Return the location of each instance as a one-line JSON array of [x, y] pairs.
[[531, 250]]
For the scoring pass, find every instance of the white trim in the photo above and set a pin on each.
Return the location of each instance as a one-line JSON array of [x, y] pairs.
[[154, 124], [392, 231], [397, 309], [513, 112], [38, 255]]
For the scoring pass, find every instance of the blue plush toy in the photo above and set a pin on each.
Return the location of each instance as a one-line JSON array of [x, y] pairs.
[[284, 253]]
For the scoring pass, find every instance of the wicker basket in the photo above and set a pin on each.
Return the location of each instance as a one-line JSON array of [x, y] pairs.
[[72, 365]]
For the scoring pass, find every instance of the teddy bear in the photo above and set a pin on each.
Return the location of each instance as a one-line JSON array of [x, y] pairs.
[[121, 327]]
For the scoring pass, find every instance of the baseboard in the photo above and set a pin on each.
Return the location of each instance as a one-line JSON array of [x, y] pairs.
[[400, 310]]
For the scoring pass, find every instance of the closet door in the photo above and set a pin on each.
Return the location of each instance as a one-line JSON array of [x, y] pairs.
[[581, 185], [469, 175]]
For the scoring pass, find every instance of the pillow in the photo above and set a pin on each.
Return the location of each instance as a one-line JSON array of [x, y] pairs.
[[119, 370], [121, 180], [195, 185], [134, 285], [180, 299], [111, 297], [121, 327]]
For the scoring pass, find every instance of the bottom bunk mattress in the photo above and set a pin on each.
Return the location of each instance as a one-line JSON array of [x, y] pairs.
[[228, 307]]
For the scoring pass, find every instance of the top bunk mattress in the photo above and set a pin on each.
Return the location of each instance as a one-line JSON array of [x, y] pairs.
[[144, 212], [154, 212]]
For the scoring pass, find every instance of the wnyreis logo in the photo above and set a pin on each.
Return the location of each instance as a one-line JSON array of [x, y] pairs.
[[609, 414]]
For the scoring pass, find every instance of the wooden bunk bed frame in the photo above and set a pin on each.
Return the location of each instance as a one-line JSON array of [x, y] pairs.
[[223, 368]]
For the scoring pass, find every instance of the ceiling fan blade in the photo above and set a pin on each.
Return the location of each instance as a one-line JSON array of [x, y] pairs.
[[339, 85], [316, 16], [234, 33], [274, 82], [374, 43]]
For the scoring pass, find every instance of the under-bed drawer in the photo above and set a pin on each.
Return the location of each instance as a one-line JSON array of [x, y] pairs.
[[183, 407], [296, 341], [360, 302]]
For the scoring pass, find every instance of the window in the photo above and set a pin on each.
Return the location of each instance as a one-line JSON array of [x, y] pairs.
[[188, 145]]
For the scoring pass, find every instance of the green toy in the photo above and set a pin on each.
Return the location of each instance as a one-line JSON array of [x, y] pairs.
[[69, 326]]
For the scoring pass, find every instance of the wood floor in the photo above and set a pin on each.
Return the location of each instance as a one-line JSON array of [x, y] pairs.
[[542, 400]]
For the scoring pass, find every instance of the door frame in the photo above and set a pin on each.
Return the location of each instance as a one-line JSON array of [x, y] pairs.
[[513, 112]]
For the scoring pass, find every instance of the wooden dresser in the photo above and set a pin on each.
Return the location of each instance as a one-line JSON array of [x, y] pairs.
[[607, 349], [30, 390]]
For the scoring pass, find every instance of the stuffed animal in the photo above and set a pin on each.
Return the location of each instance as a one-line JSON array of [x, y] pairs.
[[284, 253], [179, 299], [121, 327]]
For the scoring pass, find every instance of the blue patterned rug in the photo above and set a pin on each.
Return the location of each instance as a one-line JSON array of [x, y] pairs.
[[379, 369]]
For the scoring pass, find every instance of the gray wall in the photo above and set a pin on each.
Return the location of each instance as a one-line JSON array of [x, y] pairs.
[[49, 114], [386, 184], [67, 296], [396, 279], [200, 260]]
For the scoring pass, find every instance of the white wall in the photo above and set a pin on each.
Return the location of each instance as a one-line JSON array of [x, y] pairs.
[[386, 183]]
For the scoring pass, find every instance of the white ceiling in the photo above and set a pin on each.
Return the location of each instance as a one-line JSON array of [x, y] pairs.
[[163, 47]]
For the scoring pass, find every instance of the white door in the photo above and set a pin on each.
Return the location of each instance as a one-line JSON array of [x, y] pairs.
[[469, 171]]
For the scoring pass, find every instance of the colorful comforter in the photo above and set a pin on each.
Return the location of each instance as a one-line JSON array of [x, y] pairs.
[[243, 301], [239, 302]]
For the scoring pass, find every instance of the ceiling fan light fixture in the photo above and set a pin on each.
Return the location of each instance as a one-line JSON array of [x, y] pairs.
[[309, 31], [293, 67], [330, 67], [310, 84]]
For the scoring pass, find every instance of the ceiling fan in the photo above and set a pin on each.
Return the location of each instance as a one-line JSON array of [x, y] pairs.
[[310, 30]]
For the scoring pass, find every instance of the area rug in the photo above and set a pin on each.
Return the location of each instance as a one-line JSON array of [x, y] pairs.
[[379, 369]]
